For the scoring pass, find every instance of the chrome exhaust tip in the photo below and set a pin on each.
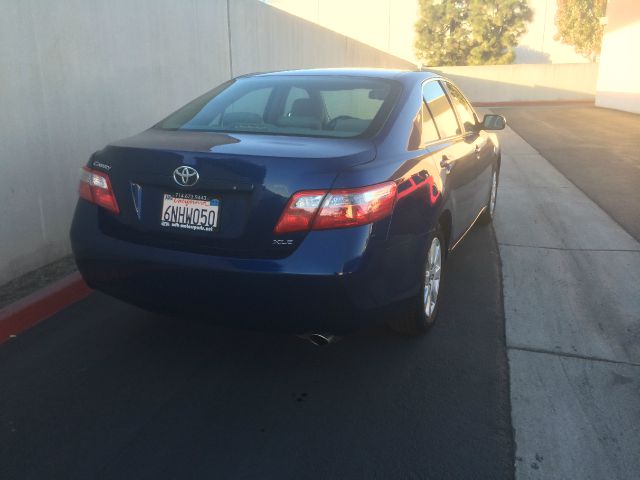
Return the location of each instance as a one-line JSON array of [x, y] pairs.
[[318, 339]]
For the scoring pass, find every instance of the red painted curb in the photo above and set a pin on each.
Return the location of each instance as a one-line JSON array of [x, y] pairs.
[[32, 309], [525, 103]]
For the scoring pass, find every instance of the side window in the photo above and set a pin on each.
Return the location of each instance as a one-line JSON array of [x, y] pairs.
[[429, 130], [440, 109], [465, 112]]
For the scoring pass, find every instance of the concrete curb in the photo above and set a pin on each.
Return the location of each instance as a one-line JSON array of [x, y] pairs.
[[533, 103], [32, 309]]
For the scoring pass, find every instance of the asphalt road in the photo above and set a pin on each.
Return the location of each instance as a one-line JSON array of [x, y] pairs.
[[595, 148], [104, 390]]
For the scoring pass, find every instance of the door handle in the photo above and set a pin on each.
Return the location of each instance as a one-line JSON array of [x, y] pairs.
[[446, 164]]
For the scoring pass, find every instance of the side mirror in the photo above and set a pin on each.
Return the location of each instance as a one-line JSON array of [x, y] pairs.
[[493, 122]]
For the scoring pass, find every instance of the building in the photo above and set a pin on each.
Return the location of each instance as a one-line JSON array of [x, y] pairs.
[[619, 71]]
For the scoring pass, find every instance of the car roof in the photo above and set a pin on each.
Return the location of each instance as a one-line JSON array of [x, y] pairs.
[[384, 73]]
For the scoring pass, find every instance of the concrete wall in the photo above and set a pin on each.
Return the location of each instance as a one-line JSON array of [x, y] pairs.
[[77, 74], [619, 77], [525, 83], [389, 24], [267, 38]]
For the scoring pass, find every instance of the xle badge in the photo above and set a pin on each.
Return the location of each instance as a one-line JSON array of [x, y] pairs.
[[282, 243]]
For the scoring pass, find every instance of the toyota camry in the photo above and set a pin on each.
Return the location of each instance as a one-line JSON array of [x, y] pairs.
[[312, 201]]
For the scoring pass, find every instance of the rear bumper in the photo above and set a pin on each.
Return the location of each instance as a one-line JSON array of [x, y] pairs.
[[335, 281]]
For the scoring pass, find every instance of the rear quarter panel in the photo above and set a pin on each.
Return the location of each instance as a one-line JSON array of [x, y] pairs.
[[420, 199]]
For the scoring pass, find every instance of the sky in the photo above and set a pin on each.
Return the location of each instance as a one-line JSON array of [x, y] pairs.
[[389, 25]]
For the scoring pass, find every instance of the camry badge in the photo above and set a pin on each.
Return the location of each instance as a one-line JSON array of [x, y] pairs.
[[186, 176]]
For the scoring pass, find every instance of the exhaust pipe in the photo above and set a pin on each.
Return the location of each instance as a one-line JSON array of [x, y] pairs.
[[318, 339]]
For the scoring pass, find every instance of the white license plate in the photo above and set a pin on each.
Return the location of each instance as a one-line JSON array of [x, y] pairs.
[[190, 211]]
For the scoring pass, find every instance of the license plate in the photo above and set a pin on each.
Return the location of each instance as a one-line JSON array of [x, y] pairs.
[[190, 211]]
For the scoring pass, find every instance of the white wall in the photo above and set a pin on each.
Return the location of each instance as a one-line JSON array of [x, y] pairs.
[[77, 74], [266, 38], [619, 75], [385, 24], [538, 45], [525, 83]]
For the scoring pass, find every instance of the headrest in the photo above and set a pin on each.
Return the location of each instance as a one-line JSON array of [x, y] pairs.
[[306, 107]]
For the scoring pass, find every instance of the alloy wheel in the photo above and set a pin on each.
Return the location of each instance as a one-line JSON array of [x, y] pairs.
[[432, 277], [494, 192]]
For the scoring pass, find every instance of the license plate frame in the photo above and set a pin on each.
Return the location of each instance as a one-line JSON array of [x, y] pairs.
[[183, 211]]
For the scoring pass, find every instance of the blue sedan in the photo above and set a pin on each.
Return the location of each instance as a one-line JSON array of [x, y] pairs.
[[312, 201]]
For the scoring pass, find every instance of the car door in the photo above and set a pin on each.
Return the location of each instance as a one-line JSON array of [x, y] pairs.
[[481, 163], [453, 155]]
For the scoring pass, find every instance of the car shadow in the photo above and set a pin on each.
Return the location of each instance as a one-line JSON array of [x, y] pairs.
[[138, 395]]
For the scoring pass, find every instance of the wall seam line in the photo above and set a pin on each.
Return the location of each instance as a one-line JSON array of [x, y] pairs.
[[229, 40]]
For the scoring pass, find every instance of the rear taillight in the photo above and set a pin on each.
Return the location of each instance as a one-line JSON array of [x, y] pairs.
[[358, 206], [321, 209], [300, 210], [95, 187]]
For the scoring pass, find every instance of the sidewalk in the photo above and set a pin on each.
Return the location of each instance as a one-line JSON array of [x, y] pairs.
[[572, 312], [35, 280]]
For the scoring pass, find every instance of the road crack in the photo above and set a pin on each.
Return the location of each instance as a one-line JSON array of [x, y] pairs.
[[571, 249], [570, 355]]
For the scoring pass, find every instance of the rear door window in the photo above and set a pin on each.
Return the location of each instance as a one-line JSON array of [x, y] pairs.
[[440, 109], [429, 130], [464, 110]]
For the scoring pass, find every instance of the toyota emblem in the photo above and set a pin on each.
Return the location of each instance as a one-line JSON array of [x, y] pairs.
[[186, 176]]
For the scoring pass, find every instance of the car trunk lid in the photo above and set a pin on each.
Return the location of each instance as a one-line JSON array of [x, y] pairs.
[[249, 176]]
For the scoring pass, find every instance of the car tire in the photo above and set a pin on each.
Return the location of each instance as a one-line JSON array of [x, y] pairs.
[[487, 215], [420, 316]]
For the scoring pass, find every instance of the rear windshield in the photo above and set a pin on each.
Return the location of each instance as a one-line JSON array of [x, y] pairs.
[[314, 106]]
